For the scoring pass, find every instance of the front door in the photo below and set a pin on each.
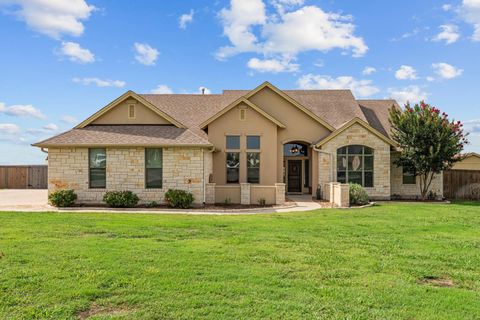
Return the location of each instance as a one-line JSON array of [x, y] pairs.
[[294, 176]]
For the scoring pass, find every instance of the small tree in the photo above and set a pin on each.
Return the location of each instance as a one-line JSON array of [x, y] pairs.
[[427, 140]]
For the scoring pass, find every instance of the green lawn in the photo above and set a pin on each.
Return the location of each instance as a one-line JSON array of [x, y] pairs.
[[394, 261]]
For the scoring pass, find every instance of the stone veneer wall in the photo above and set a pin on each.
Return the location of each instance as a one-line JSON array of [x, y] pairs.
[[412, 191], [356, 134], [183, 168]]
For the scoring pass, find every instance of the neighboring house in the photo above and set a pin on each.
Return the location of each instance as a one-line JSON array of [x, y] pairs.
[[471, 161], [238, 146]]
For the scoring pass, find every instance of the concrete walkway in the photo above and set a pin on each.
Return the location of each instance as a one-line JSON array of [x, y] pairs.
[[36, 201]]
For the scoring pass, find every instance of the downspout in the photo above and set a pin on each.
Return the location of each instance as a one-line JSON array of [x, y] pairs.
[[331, 160]]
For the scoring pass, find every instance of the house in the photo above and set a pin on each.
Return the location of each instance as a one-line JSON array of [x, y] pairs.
[[239, 146], [470, 161]]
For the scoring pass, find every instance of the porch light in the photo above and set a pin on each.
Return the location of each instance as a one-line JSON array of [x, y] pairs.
[[294, 149]]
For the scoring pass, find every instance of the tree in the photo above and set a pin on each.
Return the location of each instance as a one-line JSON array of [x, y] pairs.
[[427, 140]]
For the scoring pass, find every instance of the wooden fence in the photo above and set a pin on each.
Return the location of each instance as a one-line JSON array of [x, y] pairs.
[[461, 184], [23, 177]]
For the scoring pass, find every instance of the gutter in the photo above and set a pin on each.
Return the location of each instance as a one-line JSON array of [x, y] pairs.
[[331, 159]]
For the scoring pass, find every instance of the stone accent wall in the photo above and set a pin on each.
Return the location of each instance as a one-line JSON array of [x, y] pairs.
[[356, 134], [280, 193], [183, 168], [244, 193], [411, 191]]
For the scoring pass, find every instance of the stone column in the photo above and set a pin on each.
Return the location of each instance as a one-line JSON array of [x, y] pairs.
[[209, 193], [279, 193], [344, 195], [244, 193]]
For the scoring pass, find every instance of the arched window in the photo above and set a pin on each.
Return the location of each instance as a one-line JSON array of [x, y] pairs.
[[355, 165]]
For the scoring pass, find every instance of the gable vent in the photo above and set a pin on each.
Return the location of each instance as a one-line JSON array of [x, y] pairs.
[[243, 114], [131, 111]]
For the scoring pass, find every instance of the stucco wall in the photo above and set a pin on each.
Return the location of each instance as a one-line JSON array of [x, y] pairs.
[[356, 134], [183, 168], [255, 124], [411, 191]]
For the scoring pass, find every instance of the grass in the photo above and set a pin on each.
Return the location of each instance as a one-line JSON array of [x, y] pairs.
[[394, 261]]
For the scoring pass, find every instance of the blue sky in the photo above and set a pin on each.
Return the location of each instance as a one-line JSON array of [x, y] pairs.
[[62, 60]]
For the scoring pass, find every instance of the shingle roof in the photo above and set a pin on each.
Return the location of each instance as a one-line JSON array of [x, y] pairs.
[[377, 113], [125, 135]]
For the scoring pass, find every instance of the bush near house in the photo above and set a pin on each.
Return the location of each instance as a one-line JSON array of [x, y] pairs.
[[179, 198], [120, 199], [358, 195], [62, 198]]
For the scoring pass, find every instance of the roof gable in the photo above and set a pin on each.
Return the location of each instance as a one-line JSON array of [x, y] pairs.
[[122, 98], [351, 123], [236, 103], [292, 101]]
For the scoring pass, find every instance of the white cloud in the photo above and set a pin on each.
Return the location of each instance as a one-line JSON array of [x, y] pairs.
[[472, 126], [185, 19], [76, 53], [470, 12], [204, 90], [145, 54], [406, 73], [446, 7], [99, 82], [53, 18], [50, 127], [446, 71], [368, 71], [162, 89], [412, 94], [68, 119], [250, 28], [272, 65], [449, 34], [430, 79], [9, 128], [20, 110], [361, 88]]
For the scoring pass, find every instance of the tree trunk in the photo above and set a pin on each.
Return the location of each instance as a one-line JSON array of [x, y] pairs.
[[425, 182]]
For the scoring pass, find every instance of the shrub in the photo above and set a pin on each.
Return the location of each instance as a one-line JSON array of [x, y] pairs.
[[120, 199], [152, 204], [179, 198], [358, 195], [227, 201], [262, 202], [62, 198]]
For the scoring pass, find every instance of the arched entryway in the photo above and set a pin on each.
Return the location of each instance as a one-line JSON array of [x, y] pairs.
[[297, 164]]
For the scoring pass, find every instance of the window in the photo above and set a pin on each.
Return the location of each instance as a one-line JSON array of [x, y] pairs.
[[307, 173], [243, 114], [131, 111], [295, 149], [97, 164], [253, 142], [233, 142], [153, 168], [355, 165], [233, 167], [408, 177], [253, 167]]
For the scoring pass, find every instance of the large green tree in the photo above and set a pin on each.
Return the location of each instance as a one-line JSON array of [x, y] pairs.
[[427, 140]]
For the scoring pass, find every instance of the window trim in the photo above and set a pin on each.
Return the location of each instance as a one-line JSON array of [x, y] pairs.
[[362, 156], [90, 169], [146, 169]]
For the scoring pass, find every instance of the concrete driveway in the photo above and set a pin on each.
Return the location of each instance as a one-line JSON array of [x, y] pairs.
[[23, 199]]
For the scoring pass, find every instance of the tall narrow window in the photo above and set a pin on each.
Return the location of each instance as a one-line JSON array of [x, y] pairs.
[[131, 111], [307, 173], [355, 165], [253, 167], [233, 167], [153, 168], [408, 177], [97, 164]]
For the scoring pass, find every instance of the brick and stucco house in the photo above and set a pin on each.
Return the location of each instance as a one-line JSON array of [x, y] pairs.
[[238, 146]]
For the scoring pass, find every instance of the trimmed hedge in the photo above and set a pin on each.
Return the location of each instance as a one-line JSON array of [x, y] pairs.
[[120, 199], [179, 198], [62, 198]]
